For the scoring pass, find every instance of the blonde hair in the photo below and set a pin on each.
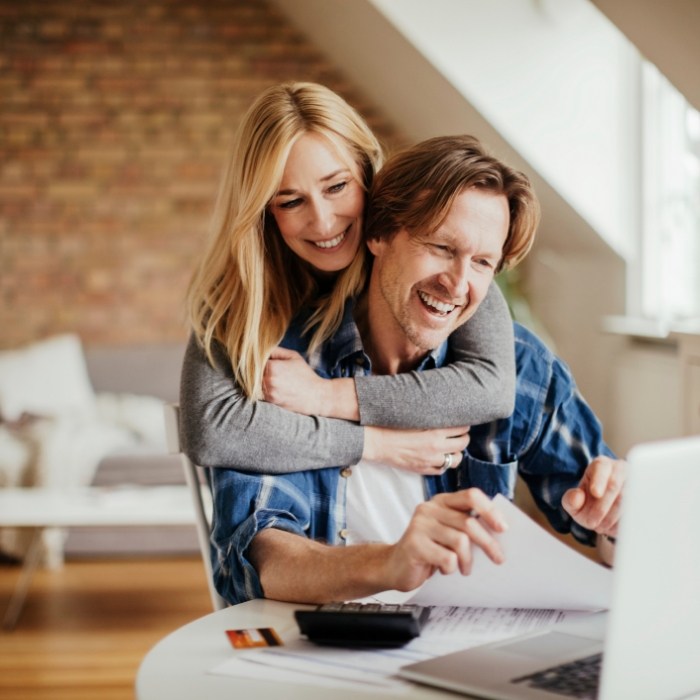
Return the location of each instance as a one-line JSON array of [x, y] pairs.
[[248, 284]]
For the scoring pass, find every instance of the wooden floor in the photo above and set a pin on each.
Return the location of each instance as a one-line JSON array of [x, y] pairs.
[[86, 627]]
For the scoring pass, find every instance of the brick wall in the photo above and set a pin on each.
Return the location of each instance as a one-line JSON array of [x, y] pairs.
[[114, 120]]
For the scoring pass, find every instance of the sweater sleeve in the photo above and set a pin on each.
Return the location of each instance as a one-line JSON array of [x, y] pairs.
[[220, 427], [478, 386]]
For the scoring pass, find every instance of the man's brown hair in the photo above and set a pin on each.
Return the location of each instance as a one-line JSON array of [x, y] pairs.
[[416, 187]]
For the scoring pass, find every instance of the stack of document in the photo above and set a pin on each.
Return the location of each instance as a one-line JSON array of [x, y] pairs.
[[541, 583]]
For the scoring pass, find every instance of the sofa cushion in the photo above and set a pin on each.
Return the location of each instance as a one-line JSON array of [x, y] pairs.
[[141, 415], [48, 378]]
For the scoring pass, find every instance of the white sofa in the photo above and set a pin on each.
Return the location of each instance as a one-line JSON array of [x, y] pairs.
[[77, 416]]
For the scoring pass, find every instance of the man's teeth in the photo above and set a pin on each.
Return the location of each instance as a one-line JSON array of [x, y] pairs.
[[331, 243], [436, 304]]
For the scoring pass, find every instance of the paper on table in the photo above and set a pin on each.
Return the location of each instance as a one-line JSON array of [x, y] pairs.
[[302, 662], [447, 630], [288, 669], [539, 572]]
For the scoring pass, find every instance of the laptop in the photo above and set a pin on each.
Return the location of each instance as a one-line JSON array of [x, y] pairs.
[[647, 646]]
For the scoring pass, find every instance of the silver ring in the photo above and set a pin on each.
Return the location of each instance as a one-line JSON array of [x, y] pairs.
[[447, 463]]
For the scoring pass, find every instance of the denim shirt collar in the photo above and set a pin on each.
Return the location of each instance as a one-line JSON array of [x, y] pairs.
[[343, 355]]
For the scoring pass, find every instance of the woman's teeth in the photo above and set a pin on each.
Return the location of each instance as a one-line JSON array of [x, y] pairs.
[[436, 304], [332, 242]]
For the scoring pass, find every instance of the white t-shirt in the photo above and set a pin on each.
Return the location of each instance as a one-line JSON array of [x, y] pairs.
[[380, 501]]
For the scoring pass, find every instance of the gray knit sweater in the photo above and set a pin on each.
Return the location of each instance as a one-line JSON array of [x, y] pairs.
[[220, 427]]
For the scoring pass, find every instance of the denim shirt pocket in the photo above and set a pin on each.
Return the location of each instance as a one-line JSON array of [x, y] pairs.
[[491, 477]]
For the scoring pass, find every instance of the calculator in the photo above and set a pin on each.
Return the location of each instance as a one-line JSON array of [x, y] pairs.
[[362, 624]]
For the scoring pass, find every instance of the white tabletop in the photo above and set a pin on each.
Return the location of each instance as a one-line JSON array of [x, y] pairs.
[[177, 667]]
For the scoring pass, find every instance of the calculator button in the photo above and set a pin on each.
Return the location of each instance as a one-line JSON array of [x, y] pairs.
[[389, 608]]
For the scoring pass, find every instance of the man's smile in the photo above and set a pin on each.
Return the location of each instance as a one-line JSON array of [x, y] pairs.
[[435, 305]]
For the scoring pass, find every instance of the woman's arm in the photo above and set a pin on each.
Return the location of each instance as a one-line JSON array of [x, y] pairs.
[[476, 387], [220, 427]]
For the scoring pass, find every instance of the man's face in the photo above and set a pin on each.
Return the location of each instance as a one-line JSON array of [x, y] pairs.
[[425, 285]]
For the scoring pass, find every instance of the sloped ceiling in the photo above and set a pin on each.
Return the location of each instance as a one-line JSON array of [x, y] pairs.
[[423, 103], [666, 33]]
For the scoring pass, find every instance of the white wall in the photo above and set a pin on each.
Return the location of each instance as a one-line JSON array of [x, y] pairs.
[[556, 79]]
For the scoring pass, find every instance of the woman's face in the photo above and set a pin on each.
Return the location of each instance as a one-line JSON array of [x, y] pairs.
[[318, 207]]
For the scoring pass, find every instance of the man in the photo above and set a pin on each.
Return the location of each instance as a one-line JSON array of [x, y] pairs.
[[444, 217]]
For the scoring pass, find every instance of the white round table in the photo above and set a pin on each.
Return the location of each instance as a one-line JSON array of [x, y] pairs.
[[178, 666]]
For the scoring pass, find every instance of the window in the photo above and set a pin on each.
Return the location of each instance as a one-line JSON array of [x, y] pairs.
[[669, 273]]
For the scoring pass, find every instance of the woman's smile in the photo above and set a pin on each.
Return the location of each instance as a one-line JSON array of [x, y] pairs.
[[319, 204]]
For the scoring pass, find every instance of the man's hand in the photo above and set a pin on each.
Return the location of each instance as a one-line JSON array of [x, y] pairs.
[[441, 537], [595, 503]]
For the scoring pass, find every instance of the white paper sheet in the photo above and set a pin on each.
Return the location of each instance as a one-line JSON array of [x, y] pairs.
[[539, 572]]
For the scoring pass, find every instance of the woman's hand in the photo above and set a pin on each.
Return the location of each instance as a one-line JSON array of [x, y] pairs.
[[290, 383], [418, 451]]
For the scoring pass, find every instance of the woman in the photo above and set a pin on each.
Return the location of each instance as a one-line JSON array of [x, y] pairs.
[[286, 244]]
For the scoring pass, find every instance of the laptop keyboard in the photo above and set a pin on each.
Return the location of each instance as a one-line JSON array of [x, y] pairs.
[[577, 679]]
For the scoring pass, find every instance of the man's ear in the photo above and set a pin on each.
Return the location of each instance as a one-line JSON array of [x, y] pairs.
[[376, 245]]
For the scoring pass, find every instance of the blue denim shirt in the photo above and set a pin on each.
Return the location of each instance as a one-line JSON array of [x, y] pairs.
[[549, 440]]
